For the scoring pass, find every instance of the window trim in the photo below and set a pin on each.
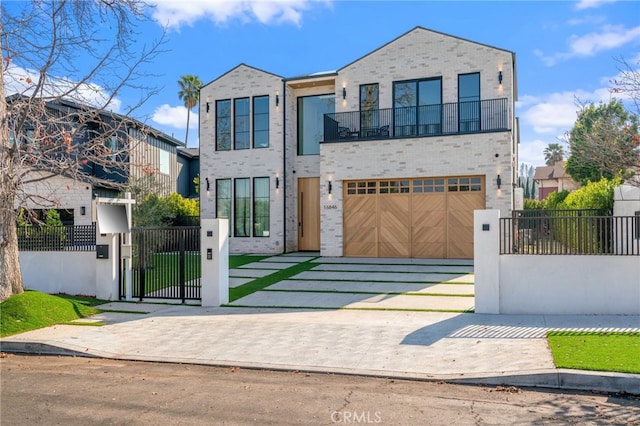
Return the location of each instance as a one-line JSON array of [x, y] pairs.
[[253, 121]]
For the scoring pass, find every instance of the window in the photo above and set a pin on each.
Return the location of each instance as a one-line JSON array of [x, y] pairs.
[[469, 102], [261, 122], [165, 166], [242, 206], [311, 110], [417, 107], [223, 200], [369, 108], [241, 123], [261, 207], [223, 125]]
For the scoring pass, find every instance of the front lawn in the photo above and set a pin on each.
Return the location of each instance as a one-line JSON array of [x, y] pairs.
[[598, 351], [32, 310]]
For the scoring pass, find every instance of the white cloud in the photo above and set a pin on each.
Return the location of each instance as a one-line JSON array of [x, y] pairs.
[[532, 152], [592, 4], [175, 117], [610, 37], [174, 14], [18, 80]]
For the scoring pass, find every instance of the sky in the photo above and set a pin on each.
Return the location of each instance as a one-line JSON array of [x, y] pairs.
[[567, 52]]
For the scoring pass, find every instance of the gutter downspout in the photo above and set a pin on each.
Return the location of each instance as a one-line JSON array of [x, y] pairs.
[[284, 164]]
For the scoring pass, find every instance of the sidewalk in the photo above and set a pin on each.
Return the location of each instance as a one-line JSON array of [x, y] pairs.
[[448, 346]]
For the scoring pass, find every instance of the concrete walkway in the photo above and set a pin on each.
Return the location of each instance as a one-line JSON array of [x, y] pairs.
[[390, 335]]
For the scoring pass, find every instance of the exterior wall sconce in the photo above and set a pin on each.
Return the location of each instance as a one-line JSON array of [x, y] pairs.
[[499, 77], [277, 100], [329, 187], [499, 181], [83, 210], [207, 106], [277, 179], [344, 93], [207, 181]]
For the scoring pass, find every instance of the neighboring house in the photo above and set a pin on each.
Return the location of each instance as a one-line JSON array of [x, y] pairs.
[[188, 169], [141, 156], [553, 179], [386, 157]]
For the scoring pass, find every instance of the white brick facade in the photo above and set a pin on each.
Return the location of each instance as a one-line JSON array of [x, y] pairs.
[[418, 54]]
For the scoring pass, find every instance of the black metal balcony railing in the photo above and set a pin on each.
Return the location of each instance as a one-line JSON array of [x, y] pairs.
[[428, 120]]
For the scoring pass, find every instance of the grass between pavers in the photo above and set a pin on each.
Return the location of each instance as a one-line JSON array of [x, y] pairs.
[[236, 260], [597, 351], [263, 282], [333, 308], [32, 310], [385, 293]]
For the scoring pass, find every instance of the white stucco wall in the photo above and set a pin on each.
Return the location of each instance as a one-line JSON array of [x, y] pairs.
[[570, 285], [550, 284], [56, 272]]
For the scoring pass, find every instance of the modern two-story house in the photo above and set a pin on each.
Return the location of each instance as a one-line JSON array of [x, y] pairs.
[[386, 157]]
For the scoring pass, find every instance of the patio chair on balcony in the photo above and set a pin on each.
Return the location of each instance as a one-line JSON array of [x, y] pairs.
[[344, 133]]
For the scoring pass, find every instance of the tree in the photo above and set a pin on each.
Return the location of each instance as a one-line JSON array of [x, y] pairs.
[[553, 153], [604, 142], [189, 94], [52, 52]]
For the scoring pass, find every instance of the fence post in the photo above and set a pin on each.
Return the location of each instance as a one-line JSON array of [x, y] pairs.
[[486, 262], [214, 252]]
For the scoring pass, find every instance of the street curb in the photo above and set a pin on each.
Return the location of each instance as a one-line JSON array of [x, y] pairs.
[[581, 380]]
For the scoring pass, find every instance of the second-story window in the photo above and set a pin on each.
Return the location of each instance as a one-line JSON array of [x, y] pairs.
[[469, 102], [261, 122], [369, 108], [241, 123], [417, 106], [311, 111], [223, 125]]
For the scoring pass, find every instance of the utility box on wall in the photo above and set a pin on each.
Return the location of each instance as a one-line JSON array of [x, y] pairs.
[[102, 251]]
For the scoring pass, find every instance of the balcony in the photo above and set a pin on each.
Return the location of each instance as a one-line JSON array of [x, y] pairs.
[[429, 120]]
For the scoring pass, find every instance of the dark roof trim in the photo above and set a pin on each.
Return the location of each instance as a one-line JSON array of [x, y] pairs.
[[423, 29], [240, 65], [312, 76]]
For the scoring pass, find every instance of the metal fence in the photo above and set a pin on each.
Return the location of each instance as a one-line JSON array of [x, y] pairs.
[[57, 238], [569, 232], [166, 263]]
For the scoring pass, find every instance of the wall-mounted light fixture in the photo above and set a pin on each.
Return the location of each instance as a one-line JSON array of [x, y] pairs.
[[499, 181], [277, 100], [83, 210], [207, 181], [500, 77], [329, 187], [344, 93], [207, 106], [277, 182]]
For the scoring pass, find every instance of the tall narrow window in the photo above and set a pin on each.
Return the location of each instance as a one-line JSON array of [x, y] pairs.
[[311, 111], [241, 123], [369, 109], [164, 166], [223, 200], [430, 106], [223, 125], [261, 122], [242, 206], [261, 207], [469, 102]]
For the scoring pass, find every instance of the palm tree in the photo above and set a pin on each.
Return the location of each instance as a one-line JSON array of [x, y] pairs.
[[190, 94], [553, 153]]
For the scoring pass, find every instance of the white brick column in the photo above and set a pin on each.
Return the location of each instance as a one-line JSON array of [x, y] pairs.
[[214, 251], [486, 242]]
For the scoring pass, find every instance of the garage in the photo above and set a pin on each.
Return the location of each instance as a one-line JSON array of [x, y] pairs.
[[412, 218]]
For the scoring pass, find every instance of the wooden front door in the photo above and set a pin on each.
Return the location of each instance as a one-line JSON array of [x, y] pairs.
[[309, 214]]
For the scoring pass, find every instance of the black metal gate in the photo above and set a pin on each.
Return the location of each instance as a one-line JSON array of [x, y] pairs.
[[165, 263]]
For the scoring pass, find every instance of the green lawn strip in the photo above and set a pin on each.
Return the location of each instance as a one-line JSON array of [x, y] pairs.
[[236, 260], [263, 282], [32, 310], [396, 272], [597, 351], [328, 308], [373, 281], [387, 293]]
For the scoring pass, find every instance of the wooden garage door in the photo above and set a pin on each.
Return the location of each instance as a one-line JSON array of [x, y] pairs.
[[419, 217]]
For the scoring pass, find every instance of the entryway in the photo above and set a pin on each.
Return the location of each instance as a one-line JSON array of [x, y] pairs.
[[309, 214], [412, 218]]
